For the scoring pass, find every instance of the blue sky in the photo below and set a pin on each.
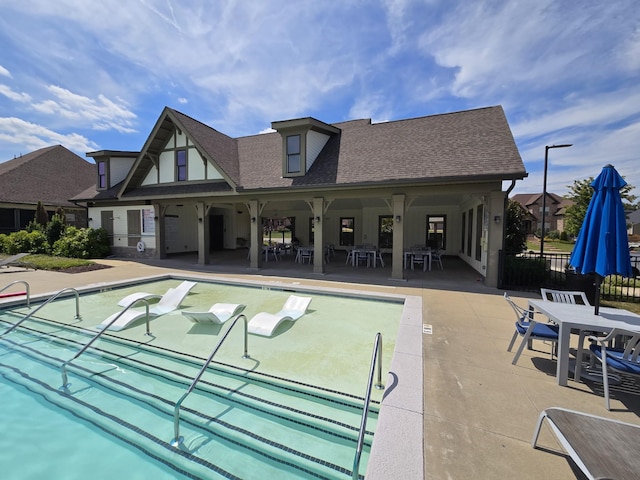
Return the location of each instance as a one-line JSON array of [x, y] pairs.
[[96, 75]]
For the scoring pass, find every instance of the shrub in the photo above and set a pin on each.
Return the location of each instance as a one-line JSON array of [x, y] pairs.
[[55, 228], [25, 242], [524, 272], [82, 243], [553, 235]]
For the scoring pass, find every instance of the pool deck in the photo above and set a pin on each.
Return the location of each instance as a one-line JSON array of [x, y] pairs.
[[479, 410]]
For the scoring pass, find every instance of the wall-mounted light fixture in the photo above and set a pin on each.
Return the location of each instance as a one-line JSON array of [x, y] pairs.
[[90, 219], [253, 219], [317, 219], [155, 218], [496, 219], [199, 220], [398, 218]]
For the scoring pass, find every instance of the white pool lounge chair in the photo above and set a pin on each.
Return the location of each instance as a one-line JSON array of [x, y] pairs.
[[170, 301], [12, 260], [603, 448], [265, 323], [217, 314]]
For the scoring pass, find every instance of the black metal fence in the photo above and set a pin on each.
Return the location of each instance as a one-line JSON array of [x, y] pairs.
[[530, 272]]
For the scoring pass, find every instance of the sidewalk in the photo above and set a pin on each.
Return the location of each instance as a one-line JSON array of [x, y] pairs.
[[480, 410]]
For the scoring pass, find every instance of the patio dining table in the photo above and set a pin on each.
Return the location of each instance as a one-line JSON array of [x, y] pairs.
[[425, 253], [581, 317], [370, 252], [304, 252]]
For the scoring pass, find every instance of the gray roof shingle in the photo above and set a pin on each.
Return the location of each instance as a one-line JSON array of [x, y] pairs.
[[446, 147], [52, 175]]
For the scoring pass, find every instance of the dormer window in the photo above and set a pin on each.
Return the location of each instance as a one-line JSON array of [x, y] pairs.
[[302, 141], [102, 175], [293, 154]]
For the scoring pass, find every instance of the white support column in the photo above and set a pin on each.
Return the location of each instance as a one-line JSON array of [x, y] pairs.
[[161, 240], [397, 257], [256, 234], [318, 243], [496, 209], [203, 233]]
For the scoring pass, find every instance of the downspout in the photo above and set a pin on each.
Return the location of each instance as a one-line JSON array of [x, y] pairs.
[[504, 230], [86, 208]]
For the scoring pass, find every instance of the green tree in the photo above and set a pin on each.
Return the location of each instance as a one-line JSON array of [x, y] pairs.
[[581, 192], [55, 228], [515, 239], [41, 216]]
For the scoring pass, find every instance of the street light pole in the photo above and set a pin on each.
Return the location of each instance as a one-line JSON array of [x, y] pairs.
[[544, 191]]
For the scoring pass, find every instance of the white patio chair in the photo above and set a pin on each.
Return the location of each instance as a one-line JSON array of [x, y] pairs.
[[541, 331]]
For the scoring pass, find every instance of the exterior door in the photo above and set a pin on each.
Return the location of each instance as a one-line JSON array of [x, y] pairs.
[[134, 228], [106, 220]]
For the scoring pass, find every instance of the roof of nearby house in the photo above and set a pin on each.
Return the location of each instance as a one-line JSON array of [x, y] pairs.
[[474, 145], [529, 199], [634, 217], [51, 175]]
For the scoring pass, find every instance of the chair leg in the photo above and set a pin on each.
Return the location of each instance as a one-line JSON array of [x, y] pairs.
[[605, 383], [576, 372], [513, 340]]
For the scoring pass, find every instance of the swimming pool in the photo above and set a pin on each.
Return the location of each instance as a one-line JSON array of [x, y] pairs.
[[311, 353]]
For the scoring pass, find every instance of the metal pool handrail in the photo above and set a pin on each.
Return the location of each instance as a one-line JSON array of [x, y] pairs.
[[176, 412], [63, 367], [28, 290], [377, 354], [51, 299]]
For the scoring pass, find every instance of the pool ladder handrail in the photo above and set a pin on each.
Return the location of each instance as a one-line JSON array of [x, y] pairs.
[[51, 299], [27, 288], [63, 367], [377, 354], [176, 412]]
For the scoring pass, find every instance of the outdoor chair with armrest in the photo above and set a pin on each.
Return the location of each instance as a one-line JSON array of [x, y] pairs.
[[624, 360], [541, 331]]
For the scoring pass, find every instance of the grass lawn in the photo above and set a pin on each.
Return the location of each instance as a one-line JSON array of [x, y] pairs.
[[551, 246]]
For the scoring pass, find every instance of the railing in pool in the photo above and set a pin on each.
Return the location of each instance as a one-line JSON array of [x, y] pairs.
[[27, 290], [176, 412], [51, 299], [63, 367], [377, 354]]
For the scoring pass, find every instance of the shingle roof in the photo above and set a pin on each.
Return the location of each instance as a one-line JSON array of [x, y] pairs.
[[473, 145], [52, 175], [438, 148]]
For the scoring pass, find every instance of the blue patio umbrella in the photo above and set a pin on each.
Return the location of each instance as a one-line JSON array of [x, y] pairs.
[[602, 246]]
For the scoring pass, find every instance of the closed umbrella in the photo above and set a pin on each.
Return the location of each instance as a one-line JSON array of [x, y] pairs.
[[602, 246]]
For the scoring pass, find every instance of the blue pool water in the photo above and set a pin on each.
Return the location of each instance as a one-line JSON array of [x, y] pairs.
[[42, 441], [290, 411]]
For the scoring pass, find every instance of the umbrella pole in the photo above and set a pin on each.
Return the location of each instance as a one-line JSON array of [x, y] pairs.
[[597, 299]]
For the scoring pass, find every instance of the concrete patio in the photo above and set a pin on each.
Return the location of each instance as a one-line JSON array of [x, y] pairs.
[[480, 411]]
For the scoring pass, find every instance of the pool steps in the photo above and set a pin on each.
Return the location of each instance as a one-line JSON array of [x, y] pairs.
[[233, 390]]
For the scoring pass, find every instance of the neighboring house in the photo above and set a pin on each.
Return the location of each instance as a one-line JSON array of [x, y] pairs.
[[634, 223], [51, 175], [433, 180], [556, 207]]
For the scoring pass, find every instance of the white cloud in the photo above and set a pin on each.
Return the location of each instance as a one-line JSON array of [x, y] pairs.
[[15, 96], [528, 45], [32, 136], [102, 113], [4, 72], [597, 110]]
